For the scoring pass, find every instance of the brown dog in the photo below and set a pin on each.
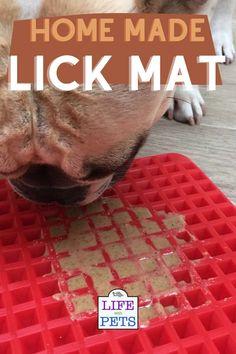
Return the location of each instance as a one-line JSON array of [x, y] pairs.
[[68, 148]]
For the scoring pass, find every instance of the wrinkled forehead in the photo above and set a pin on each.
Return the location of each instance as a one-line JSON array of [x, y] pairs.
[[66, 129], [97, 120]]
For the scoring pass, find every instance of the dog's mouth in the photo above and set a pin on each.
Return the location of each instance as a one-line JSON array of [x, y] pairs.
[[44, 195], [79, 194], [48, 185]]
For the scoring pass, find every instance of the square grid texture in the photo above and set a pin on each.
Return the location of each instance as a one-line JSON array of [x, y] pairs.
[[32, 321]]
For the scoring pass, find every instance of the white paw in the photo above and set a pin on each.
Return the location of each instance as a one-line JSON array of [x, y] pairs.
[[187, 106], [224, 45]]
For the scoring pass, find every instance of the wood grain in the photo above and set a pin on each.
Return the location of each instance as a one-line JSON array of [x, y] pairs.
[[213, 144]]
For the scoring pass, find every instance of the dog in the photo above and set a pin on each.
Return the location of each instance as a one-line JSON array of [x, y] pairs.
[[68, 148]]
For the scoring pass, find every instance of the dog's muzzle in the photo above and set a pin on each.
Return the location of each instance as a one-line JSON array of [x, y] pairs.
[[47, 185]]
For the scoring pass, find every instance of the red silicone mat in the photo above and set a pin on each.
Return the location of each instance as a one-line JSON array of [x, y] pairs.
[[31, 321]]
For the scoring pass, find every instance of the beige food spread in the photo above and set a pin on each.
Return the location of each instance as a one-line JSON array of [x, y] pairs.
[[110, 245]]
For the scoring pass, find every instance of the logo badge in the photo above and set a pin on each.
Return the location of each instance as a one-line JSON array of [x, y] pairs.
[[117, 311]]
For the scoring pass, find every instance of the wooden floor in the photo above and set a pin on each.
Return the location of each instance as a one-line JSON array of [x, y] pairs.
[[213, 144]]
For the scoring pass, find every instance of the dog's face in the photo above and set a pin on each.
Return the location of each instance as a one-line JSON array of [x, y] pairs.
[[69, 147]]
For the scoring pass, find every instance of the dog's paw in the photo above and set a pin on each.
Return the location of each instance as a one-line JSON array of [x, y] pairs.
[[187, 106], [224, 45]]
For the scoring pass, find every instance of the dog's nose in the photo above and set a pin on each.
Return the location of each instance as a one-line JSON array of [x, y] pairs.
[[47, 184]]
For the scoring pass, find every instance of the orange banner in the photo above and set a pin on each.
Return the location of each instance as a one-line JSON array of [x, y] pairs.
[[70, 47]]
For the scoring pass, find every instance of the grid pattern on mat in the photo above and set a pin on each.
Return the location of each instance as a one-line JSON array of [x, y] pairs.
[[31, 321], [136, 253]]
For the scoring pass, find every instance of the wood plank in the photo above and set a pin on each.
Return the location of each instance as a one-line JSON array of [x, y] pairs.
[[212, 149], [213, 144]]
